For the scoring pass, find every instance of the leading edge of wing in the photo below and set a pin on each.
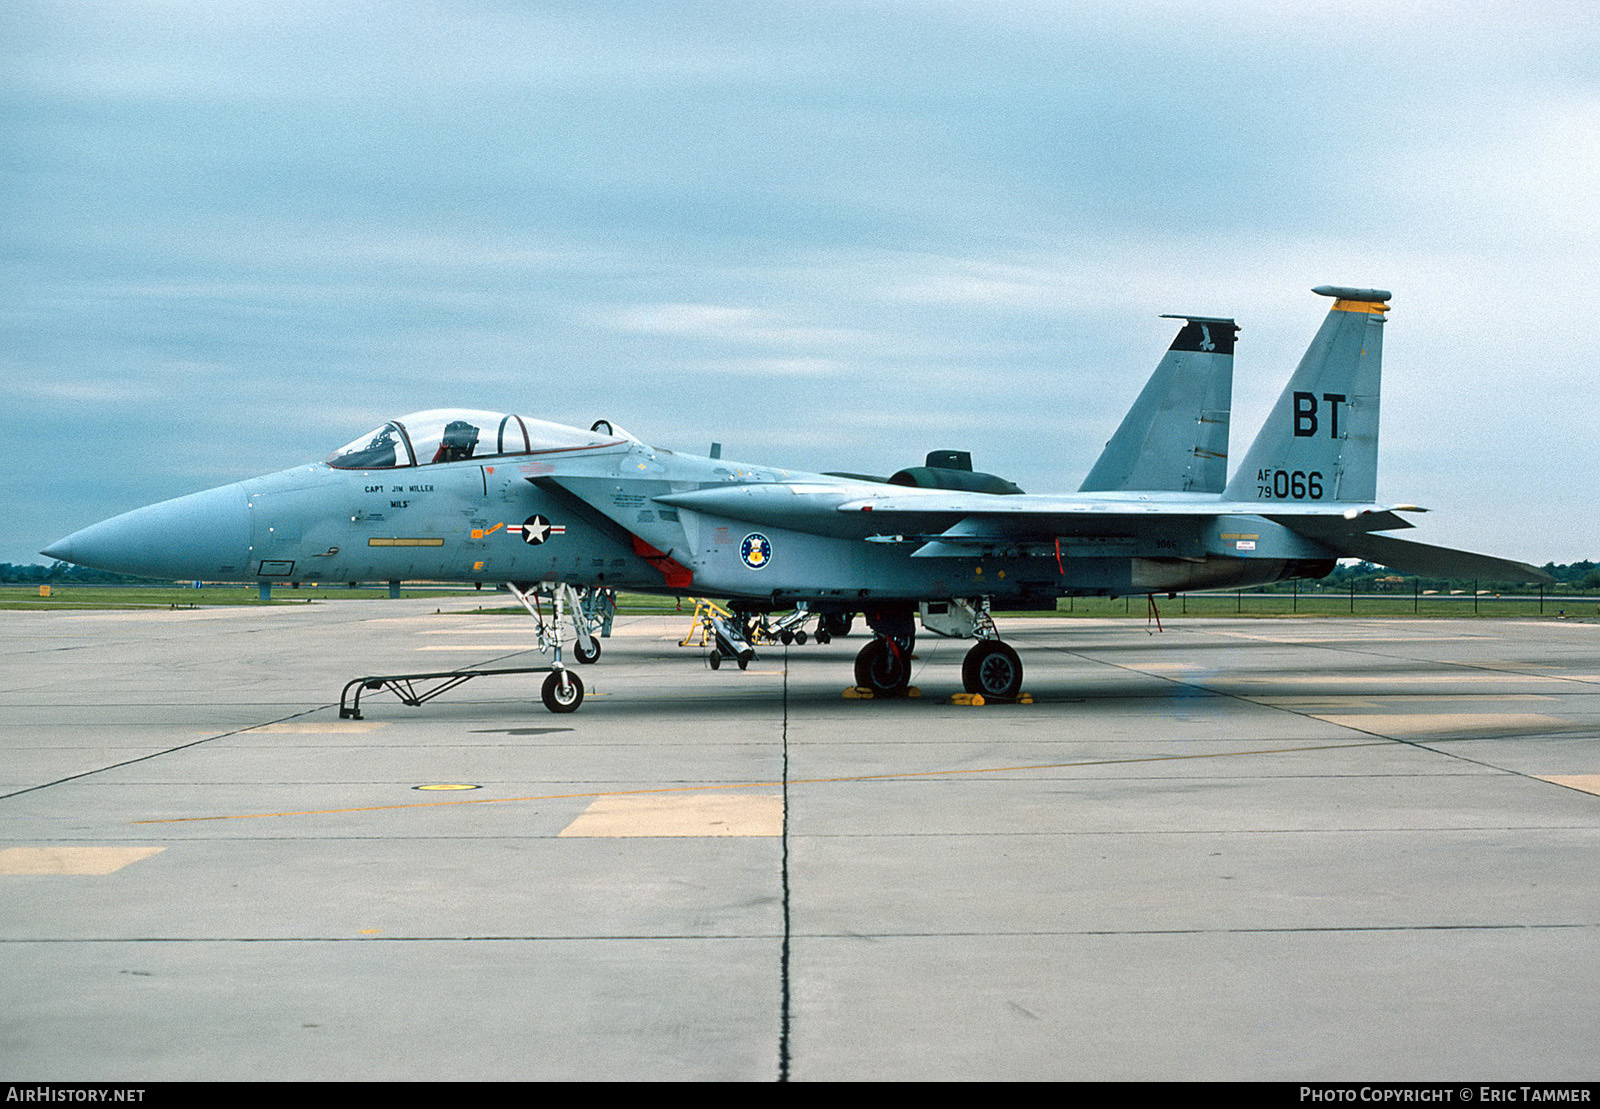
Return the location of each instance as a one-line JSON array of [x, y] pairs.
[[816, 506], [1361, 516]]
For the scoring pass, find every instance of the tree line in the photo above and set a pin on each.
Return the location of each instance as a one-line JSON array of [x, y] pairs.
[[1366, 577], [64, 573]]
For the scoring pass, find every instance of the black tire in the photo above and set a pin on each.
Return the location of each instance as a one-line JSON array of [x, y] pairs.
[[715, 659], [744, 662], [992, 669], [838, 624], [823, 636], [562, 696], [862, 659], [800, 638], [586, 657], [882, 669], [786, 637]]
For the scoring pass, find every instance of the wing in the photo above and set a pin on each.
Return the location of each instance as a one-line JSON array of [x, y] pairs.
[[948, 523]]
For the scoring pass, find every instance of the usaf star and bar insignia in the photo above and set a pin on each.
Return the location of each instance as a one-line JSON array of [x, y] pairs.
[[536, 529]]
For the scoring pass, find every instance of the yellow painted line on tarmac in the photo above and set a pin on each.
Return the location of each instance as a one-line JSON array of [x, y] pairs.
[[1588, 783], [480, 627], [163, 612], [432, 618], [1311, 704], [1314, 640], [1327, 706], [904, 776], [1380, 678], [479, 648], [71, 860], [1353, 700], [1445, 723]]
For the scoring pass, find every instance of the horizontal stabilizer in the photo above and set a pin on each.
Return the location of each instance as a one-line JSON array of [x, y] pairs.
[[1433, 562], [1333, 528]]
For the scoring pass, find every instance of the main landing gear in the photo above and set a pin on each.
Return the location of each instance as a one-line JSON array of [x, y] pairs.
[[991, 668], [883, 666]]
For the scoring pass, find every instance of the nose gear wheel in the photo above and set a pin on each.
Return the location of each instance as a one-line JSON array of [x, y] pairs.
[[562, 692]]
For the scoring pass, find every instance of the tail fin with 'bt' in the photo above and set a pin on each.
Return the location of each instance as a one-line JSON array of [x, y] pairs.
[[1320, 442]]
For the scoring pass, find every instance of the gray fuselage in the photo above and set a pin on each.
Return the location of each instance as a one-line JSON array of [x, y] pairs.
[[622, 515]]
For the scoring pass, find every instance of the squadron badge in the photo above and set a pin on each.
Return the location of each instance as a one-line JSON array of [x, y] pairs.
[[756, 550]]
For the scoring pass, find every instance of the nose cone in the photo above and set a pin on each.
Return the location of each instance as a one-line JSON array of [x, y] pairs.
[[201, 536]]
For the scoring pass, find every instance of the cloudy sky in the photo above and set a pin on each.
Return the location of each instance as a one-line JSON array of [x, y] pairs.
[[235, 235]]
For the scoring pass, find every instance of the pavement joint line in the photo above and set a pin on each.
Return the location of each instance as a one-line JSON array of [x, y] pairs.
[[785, 960], [1346, 646], [897, 776], [196, 743], [963, 933], [1054, 833], [1179, 680], [158, 754]]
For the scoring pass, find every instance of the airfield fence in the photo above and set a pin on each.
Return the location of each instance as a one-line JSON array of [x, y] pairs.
[[1569, 602], [1352, 602]]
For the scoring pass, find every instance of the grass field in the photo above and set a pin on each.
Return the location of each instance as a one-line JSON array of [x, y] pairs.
[[163, 596], [1327, 604], [1191, 604]]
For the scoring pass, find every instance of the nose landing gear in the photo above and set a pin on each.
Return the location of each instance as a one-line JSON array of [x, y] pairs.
[[562, 692]]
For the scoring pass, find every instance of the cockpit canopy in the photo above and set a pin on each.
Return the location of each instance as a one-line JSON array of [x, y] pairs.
[[454, 434]]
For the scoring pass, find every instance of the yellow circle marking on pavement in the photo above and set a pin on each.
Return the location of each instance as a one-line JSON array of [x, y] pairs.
[[901, 776]]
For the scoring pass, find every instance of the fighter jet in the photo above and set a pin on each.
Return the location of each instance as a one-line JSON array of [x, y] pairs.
[[472, 496]]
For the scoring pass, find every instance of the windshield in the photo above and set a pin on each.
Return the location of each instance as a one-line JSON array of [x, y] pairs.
[[457, 434], [376, 450]]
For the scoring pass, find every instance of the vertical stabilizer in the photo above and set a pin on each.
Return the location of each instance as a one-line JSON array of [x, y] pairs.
[[1320, 441], [1175, 437]]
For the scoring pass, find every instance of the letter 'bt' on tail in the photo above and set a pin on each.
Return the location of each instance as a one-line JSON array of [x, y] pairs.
[[1320, 441]]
